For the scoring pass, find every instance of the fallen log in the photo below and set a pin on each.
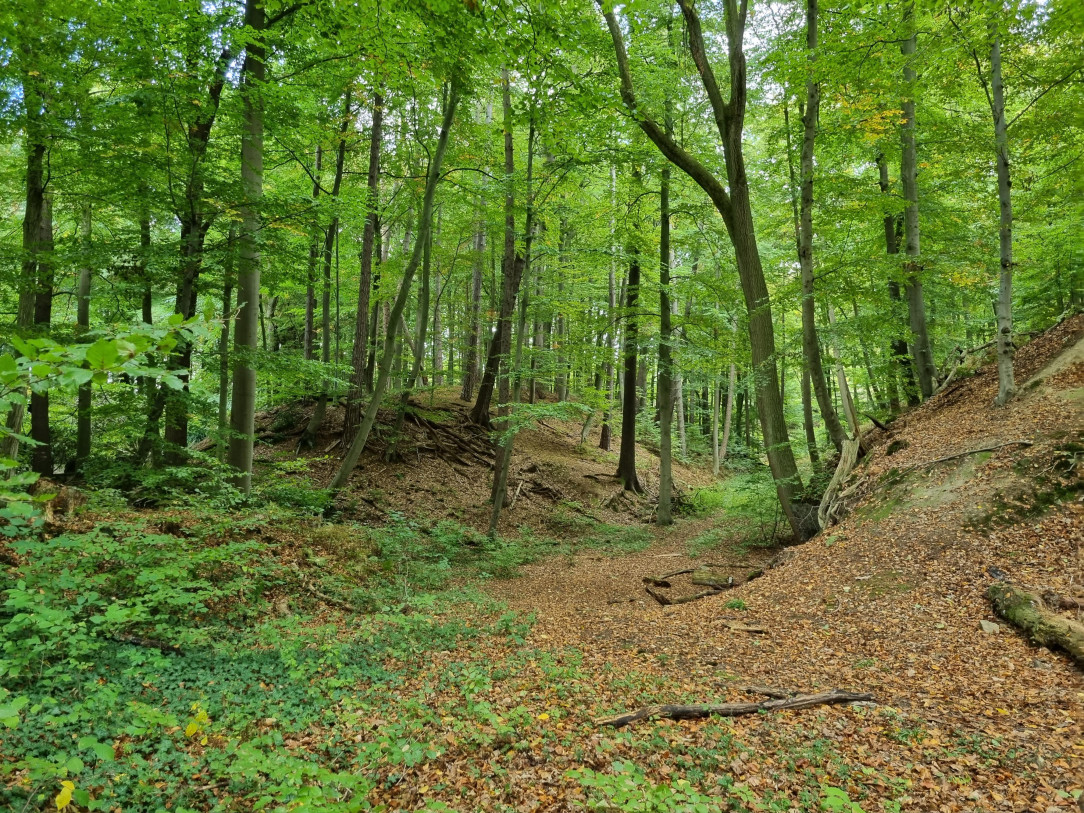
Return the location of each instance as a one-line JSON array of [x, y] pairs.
[[696, 712], [666, 601], [1026, 612], [656, 581], [708, 579]]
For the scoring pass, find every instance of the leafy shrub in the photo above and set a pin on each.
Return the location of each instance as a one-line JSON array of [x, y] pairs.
[[78, 590]]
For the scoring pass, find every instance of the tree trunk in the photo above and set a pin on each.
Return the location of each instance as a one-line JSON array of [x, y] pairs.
[[309, 340], [243, 411], [391, 454], [358, 358], [666, 377], [357, 446], [40, 428], [499, 492], [1026, 612], [224, 348], [893, 226], [626, 461], [84, 403], [729, 411], [803, 216], [331, 236], [916, 305], [511, 273], [611, 300], [841, 377], [735, 208], [807, 420], [1006, 383], [470, 363]]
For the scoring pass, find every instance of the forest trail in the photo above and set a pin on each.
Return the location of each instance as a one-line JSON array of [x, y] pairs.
[[889, 602]]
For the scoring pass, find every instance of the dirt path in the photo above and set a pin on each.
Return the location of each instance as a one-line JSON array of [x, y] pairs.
[[889, 602]]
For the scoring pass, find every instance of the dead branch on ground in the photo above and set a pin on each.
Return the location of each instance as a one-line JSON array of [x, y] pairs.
[[698, 711]]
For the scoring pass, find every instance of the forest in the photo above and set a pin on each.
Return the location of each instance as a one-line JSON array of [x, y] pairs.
[[396, 395]]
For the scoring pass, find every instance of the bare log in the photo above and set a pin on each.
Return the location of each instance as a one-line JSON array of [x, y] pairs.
[[696, 712], [666, 601], [1025, 611]]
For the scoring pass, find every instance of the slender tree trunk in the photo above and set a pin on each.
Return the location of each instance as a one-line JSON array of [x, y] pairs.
[[391, 454], [41, 456], [309, 341], [803, 223], [511, 273], [224, 348], [243, 411], [872, 390], [892, 227], [357, 445], [730, 387], [331, 236], [841, 377], [666, 372], [499, 493], [1006, 383], [358, 358], [470, 363], [916, 305], [84, 403], [807, 420], [626, 462], [607, 423]]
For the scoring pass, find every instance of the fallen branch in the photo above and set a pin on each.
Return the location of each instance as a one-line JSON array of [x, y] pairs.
[[696, 712], [751, 628], [1026, 612], [879, 424], [149, 643], [946, 458], [666, 601], [679, 573], [767, 691]]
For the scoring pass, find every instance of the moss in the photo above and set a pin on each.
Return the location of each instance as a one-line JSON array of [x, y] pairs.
[[896, 446], [887, 583]]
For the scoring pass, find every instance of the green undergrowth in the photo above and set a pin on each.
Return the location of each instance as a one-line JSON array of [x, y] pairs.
[[149, 671], [747, 507]]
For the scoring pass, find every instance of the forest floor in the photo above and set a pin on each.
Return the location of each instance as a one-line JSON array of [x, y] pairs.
[[888, 602], [396, 659]]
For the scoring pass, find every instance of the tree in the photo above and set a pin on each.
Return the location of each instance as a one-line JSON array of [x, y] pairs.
[[735, 209]]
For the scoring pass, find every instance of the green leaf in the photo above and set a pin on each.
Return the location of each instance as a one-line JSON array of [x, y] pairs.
[[102, 354], [102, 750]]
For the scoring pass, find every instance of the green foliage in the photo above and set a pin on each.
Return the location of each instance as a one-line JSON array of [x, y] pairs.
[[78, 591], [748, 503], [628, 790]]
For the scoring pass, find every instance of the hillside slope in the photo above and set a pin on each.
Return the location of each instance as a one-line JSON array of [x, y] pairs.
[[889, 601]]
